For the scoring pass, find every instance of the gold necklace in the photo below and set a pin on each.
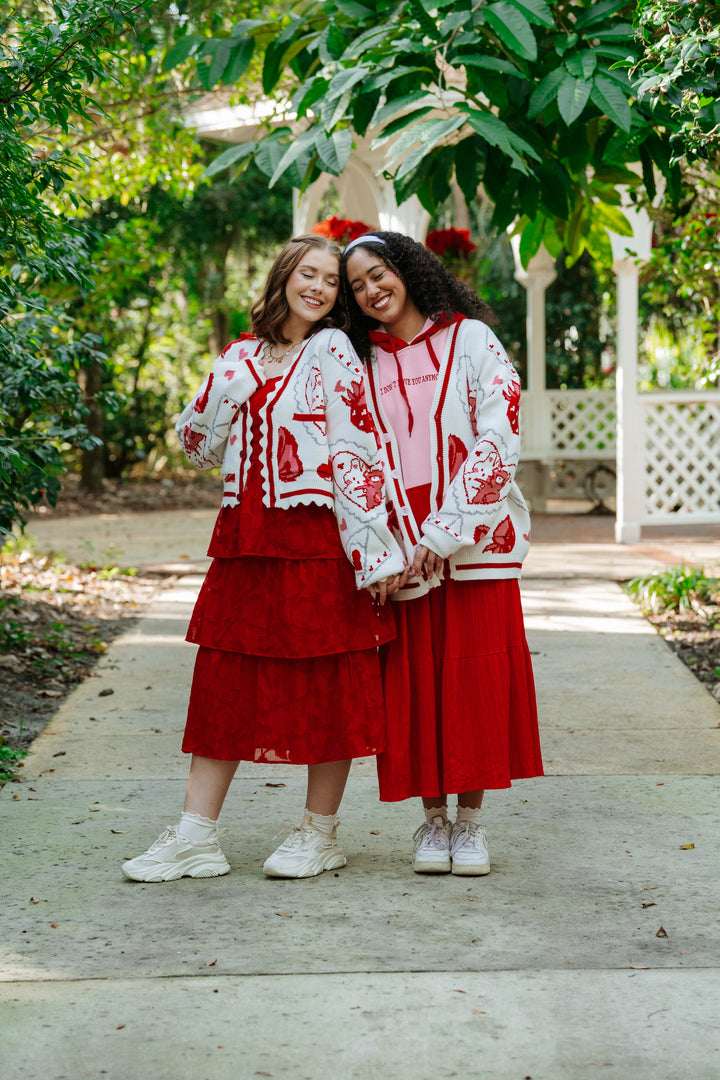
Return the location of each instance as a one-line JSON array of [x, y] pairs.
[[271, 359]]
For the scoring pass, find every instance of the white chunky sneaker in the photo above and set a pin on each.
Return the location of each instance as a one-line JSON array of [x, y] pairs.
[[173, 856], [469, 850], [432, 847], [305, 853]]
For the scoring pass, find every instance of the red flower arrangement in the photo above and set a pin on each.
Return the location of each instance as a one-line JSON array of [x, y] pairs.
[[341, 229], [453, 242]]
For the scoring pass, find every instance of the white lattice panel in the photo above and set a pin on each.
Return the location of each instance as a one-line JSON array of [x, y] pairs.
[[682, 458], [582, 423]]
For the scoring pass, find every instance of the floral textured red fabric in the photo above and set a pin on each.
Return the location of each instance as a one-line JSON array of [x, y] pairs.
[[287, 668]]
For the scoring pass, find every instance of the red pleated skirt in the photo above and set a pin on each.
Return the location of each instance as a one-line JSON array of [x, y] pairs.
[[459, 693]]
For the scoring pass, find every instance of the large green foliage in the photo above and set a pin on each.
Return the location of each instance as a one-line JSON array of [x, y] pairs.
[[680, 70], [532, 100], [50, 57]]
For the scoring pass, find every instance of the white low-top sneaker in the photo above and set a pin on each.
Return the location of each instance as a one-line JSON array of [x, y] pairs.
[[469, 850], [173, 856], [432, 847], [305, 852]]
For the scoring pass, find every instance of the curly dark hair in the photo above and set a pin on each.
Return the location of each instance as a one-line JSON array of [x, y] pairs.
[[269, 313], [432, 288]]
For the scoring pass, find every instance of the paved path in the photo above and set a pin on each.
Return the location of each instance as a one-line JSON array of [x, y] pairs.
[[550, 968]]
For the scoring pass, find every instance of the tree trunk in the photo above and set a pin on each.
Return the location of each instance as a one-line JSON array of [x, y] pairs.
[[92, 469]]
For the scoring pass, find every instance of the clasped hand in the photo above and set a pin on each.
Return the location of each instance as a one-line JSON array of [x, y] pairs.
[[425, 563]]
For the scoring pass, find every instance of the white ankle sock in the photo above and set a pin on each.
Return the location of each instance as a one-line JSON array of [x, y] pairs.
[[196, 828], [431, 812], [468, 813], [324, 823]]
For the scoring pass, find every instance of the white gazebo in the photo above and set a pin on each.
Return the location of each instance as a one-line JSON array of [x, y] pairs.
[[662, 447]]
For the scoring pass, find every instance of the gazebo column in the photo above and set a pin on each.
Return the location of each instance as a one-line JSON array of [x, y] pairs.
[[630, 456], [537, 427], [629, 252]]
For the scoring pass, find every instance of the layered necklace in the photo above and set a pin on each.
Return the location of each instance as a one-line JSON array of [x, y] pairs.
[[270, 358]]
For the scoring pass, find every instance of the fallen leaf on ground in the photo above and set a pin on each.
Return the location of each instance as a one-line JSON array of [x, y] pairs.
[[269, 783], [686, 847], [662, 932], [640, 967], [650, 903], [283, 914], [374, 832], [211, 963]]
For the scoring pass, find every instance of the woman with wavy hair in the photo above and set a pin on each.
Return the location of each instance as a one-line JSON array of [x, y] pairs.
[[291, 612], [459, 691]]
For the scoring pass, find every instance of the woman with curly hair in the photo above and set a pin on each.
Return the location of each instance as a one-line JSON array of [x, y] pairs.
[[459, 691], [287, 668]]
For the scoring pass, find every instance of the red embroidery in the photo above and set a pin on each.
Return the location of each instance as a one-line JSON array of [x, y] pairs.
[[202, 401], [192, 439], [324, 471], [457, 453], [359, 483], [487, 477], [356, 559], [482, 530], [354, 398], [511, 393], [503, 539], [289, 464]]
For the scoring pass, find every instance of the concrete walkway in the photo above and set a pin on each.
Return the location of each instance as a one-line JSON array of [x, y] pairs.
[[551, 968]]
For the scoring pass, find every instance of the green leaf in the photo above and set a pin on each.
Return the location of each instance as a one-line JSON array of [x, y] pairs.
[[239, 61], [334, 150], [303, 144], [362, 45], [490, 63], [352, 9], [498, 134], [338, 95], [536, 11], [546, 91], [400, 124], [470, 156], [430, 133], [427, 23], [181, 50], [395, 106], [229, 157], [513, 29], [611, 100], [612, 218], [598, 14], [531, 239], [572, 98], [582, 65]]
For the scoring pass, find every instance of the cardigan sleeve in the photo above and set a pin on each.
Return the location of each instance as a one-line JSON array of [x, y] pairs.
[[356, 463], [481, 473], [204, 425]]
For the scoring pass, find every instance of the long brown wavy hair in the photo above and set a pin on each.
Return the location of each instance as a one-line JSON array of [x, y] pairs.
[[269, 313]]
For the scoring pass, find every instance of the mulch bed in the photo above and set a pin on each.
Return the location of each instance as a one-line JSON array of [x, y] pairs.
[[695, 639]]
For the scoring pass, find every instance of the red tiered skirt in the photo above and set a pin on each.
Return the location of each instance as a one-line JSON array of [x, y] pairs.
[[287, 669], [459, 690]]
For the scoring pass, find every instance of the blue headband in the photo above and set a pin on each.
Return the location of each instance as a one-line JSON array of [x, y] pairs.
[[367, 238]]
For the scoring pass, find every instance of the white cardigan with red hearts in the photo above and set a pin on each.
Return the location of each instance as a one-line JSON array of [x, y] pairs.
[[317, 442], [479, 522]]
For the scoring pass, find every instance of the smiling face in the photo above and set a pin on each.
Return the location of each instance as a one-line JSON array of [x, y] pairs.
[[312, 288], [378, 291]]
